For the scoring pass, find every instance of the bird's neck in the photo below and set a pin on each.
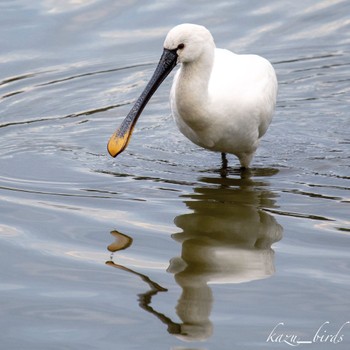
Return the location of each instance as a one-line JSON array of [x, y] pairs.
[[192, 89]]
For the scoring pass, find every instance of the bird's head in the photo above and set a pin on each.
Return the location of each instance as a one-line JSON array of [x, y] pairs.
[[189, 41]]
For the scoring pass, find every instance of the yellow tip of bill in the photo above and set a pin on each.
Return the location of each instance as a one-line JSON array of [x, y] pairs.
[[118, 142]]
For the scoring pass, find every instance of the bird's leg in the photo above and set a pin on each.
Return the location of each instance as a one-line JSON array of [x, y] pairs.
[[224, 163], [224, 160]]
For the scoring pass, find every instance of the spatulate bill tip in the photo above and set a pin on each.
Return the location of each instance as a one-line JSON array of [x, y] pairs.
[[118, 142]]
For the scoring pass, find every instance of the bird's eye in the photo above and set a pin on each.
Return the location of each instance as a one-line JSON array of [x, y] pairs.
[[181, 46]]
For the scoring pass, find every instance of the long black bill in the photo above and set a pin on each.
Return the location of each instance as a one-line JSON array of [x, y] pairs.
[[120, 139]]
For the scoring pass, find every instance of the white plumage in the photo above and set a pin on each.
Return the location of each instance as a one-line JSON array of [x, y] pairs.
[[221, 101]]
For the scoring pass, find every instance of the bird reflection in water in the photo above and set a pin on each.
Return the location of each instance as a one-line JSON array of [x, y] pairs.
[[226, 238]]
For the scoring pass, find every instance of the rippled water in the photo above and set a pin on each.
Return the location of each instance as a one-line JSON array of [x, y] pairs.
[[154, 249]]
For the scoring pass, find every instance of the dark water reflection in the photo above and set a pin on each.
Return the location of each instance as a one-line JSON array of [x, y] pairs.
[[226, 238]]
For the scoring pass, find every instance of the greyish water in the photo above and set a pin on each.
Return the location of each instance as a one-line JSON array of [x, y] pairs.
[[154, 250]]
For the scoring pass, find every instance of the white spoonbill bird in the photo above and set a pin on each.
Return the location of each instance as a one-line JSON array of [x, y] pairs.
[[220, 100]]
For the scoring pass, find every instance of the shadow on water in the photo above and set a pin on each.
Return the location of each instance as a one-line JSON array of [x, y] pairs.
[[226, 238]]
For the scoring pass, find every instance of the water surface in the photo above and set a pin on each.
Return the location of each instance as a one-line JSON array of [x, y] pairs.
[[154, 249]]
